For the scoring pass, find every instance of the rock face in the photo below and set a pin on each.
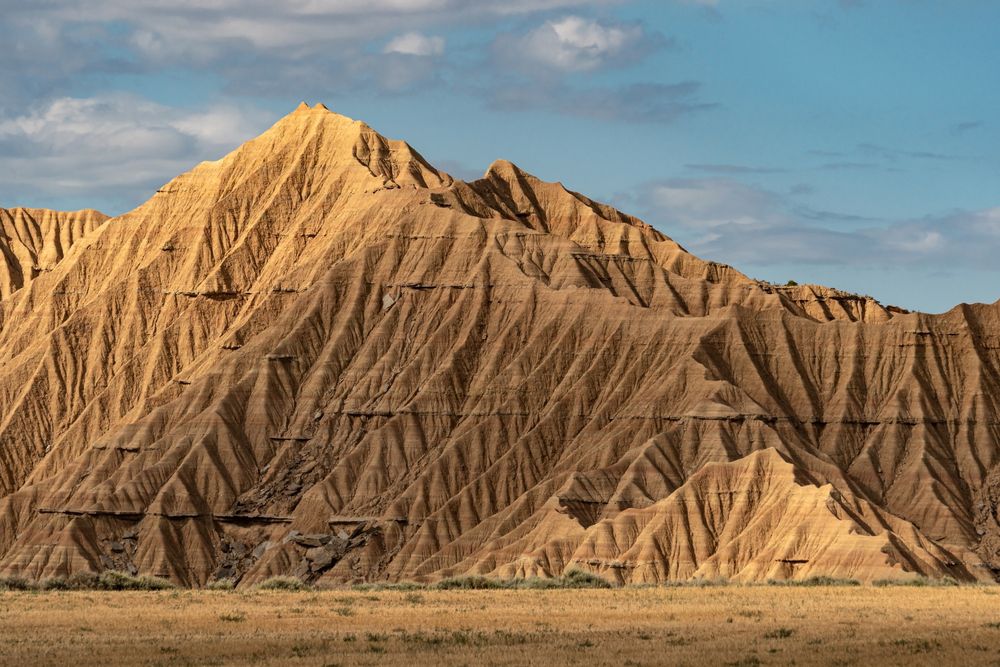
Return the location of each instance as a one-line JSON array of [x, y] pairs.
[[321, 356], [32, 241]]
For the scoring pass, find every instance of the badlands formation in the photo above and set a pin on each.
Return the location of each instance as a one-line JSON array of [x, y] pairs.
[[32, 241], [320, 356]]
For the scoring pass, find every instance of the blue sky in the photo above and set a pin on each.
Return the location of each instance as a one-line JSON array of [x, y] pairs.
[[847, 142]]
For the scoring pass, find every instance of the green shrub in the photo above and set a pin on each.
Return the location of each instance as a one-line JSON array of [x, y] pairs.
[[82, 581], [17, 584], [390, 586], [574, 578], [55, 584], [110, 580], [696, 583], [473, 582], [814, 581], [283, 584], [221, 585], [916, 581], [113, 580], [538, 583]]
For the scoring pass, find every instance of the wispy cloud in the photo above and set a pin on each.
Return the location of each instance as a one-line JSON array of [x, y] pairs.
[[112, 145], [577, 44], [965, 127], [257, 47], [745, 225], [639, 103], [895, 154], [734, 169], [874, 156], [852, 166]]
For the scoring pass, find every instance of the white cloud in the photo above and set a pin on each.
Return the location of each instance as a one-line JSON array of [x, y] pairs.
[[920, 241], [220, 126], [576, 44], [634, 103], [704, 203], [112, 145], [180, 25], [257, 48], [743, 225], [415, 44]]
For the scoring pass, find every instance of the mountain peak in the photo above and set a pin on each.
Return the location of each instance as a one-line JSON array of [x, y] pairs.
[[319, 106], [319, 110], [311, 144], [504, 168], [322, 335]]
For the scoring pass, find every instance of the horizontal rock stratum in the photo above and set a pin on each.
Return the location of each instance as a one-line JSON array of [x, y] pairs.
[[321, 356]]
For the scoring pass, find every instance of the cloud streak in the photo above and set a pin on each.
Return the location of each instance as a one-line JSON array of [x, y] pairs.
[[112, 145], [746, 225], [636, 103], [257, 47], [734, 169]]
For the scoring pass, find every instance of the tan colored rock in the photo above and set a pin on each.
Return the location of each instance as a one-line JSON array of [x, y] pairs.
[[322, 333], [33, 241]]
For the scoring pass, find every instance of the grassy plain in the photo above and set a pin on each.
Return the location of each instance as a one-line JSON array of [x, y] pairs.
[[734, 625]]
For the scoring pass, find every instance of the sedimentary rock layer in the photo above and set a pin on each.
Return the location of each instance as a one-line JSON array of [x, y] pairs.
[[33, 241], [322, 356]]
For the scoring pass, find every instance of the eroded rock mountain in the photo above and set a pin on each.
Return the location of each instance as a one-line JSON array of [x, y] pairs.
[[322, 356]]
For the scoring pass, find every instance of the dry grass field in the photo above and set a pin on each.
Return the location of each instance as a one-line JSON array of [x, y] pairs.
[[757, 625]]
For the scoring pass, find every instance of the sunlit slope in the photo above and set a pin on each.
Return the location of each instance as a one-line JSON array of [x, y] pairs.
[[321, 356]]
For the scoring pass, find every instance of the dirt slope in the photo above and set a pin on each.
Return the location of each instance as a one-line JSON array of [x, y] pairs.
[[321, 356], [32, 241]]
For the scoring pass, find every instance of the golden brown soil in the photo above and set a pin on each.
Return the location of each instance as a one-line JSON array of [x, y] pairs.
[[655, 626]]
